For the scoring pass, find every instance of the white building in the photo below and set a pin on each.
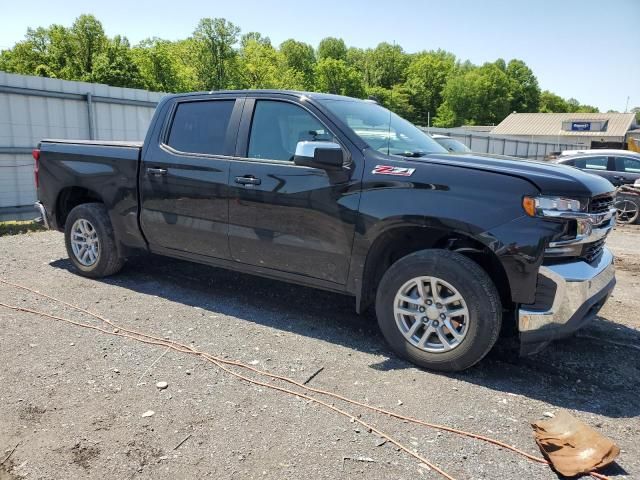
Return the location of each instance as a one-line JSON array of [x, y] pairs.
[[585, 130]]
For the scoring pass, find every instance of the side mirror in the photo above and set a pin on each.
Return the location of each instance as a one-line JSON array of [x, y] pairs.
[[325, 155]]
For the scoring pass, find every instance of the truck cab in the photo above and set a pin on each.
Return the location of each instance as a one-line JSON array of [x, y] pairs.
[[344, 195]]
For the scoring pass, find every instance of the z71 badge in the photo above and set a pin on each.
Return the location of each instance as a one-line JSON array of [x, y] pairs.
[[389, 170]]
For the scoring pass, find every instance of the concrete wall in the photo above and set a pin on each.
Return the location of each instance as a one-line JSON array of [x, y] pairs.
[[33, 108]]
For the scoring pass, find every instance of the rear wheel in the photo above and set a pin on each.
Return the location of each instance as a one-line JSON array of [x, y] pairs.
[[439, 310], [90, 241]]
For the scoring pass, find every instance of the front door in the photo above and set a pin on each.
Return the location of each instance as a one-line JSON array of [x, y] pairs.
[[183, 179], [282, 216]]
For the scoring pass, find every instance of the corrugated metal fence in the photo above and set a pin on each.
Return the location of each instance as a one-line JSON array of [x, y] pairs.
[[486, 143], [33, 108]]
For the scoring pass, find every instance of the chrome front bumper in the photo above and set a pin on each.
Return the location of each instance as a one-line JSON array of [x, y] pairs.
[[580, 291], [43, 213]]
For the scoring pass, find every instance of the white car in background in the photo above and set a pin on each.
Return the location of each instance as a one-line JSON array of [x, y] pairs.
[[451, 144]]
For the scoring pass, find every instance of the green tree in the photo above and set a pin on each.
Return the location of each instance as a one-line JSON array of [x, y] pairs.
[[479, 96], [335, 76], [214, 55], [331, 47], [255, 37], [524, 90], [552, 103], [388, 64], [300, 59], [360, 60], [574, 105], [160, 66], [636, 110], [427, 75], [259, 65], [116, 66], [397, 99], [88, 41], [45, 51]]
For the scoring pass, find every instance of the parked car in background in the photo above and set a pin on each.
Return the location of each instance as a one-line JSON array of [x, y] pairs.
[[451, 144], [620, 167]]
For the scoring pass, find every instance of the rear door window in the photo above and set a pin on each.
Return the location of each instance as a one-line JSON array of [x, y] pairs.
[[628, 165], [201, 127], [592, 163]]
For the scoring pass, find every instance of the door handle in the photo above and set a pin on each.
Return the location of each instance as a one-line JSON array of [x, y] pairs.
[[248, 180], [157, 171]]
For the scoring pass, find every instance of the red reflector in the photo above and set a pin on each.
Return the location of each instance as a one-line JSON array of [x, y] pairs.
[[36, 166]]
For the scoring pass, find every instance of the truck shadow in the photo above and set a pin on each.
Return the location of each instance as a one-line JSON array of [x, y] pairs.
[[587, 373]]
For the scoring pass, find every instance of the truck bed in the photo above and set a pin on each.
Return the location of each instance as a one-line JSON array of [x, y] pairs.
[[74, 171], [103, 143]]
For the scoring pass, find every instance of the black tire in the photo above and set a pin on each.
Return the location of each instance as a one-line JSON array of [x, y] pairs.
[[108, 260], [475, 286]]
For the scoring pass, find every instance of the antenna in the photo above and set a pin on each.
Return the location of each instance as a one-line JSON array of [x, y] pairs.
[[626, 107]]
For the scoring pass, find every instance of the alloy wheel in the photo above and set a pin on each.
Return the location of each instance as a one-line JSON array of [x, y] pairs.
[[431, 314]]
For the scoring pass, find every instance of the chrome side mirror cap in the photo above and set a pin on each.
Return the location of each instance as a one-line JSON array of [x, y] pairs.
[[319, 154]]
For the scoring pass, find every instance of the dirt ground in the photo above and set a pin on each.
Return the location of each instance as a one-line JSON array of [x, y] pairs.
[[72, 400]]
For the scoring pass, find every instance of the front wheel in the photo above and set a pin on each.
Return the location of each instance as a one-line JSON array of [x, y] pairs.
[[90, 241], [439, 310]]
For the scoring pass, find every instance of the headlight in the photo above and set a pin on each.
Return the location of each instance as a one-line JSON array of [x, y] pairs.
[[550, 206]]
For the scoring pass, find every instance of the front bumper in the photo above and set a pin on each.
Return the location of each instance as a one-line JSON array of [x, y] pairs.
[[578, 290]]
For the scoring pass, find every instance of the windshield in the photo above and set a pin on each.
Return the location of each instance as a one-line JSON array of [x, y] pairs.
[[453, 145], [382, 129]]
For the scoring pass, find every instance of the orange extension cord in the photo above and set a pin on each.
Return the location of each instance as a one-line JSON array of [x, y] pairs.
[[221, 362]]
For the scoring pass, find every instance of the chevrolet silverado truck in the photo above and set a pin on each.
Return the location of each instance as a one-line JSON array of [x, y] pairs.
[[342, 194]]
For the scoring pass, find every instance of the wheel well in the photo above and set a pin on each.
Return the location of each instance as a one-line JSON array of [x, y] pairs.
[[400, 242], [71, 197]]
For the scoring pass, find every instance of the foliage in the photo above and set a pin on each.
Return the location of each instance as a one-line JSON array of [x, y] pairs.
[[300, 59], [427, 75], [216, 56], [479, 96], [523, 89], [552, 103], [396, 98], [335, 76], [116, 65], [18, 227], [331, 47]]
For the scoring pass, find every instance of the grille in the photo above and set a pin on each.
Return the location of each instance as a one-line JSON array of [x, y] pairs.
[[592, 251], [601, 203]]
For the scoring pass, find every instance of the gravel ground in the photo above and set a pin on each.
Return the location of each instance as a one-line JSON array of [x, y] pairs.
[[73, 399]]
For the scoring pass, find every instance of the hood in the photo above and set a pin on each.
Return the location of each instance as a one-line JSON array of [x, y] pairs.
[[549, 178]]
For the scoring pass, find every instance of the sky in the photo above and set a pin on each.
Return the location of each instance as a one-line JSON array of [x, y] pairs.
[[586, 49]]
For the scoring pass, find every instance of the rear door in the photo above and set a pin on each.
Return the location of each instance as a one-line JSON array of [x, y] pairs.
[[183, 179], [285, 217], [627, 169]]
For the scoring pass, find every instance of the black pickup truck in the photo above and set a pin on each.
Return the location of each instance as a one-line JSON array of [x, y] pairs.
[[342, 194]]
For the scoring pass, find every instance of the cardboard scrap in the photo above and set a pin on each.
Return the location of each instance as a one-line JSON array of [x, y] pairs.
[[571, 446]]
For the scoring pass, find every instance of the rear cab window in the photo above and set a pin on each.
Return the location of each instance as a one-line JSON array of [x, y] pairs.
[[201, 126]]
